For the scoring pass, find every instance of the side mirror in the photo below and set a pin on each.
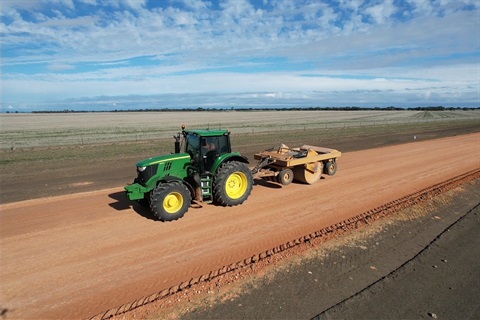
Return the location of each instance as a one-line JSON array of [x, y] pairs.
[[177, 143]]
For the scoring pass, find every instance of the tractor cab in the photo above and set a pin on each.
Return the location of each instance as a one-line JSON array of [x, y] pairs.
[[206, 146]]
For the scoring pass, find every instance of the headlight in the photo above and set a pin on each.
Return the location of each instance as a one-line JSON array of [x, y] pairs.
[[140, 169]]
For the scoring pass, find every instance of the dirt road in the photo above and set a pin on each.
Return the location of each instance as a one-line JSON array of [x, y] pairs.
[[415, 263], [75, 256]]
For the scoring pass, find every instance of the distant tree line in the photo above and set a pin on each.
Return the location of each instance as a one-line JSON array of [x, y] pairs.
[[202, 109]]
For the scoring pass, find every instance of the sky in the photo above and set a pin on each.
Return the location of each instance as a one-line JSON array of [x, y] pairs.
[[128, 54]]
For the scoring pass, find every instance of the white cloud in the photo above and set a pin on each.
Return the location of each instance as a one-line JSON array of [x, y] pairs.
[[60, 67], [238, 29], [278, 85], [381, 12], [196, 4], [62, 22], [135, 4], [90, 2]]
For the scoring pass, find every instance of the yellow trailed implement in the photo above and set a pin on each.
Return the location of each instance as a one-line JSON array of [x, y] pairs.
[[303, 164]]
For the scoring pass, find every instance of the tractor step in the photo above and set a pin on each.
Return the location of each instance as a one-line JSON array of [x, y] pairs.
[[206, 184]]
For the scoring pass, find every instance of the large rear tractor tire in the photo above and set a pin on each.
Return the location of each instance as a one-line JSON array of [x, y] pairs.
[[170, 201], [233, 183]]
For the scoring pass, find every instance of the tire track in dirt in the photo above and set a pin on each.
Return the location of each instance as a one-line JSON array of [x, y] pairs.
[[317, 236]]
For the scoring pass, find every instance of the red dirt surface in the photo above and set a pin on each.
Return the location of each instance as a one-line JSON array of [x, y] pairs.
[[78, 255]]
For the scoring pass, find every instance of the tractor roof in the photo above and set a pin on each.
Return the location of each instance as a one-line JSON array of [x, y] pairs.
[[209, 133]]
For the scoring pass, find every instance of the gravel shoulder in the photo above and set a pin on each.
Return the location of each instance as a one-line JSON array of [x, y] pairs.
[[363, 275], [442, 281]]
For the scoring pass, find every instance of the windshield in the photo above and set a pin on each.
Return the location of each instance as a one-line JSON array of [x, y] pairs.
[[193, 147]]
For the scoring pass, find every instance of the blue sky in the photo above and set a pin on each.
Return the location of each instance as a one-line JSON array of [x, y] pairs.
[[121, 54]]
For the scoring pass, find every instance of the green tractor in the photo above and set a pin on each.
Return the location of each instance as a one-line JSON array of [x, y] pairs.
[[202, 169]]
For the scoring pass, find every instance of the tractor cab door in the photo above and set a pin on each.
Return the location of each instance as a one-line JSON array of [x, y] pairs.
[[212, 148], [193, 148]]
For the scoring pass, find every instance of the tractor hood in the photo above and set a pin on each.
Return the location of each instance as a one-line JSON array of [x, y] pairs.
[[164, 158]]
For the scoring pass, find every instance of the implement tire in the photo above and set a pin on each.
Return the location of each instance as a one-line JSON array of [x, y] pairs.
[[233, 183], [170, 201], [330, 168], [285, 176]]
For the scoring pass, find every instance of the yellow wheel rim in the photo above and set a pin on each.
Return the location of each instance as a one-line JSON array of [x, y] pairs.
[[173, 202], [237, 184]]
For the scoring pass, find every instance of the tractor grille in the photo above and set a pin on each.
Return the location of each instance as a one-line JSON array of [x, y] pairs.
[[146, 174], [168, 166]]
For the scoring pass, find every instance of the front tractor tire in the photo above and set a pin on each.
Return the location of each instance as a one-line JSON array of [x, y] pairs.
[[233, 184], [170, 201]]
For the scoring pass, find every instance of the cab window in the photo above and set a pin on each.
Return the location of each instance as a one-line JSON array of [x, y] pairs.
[[218, 144], [193, 147], [223, 144]]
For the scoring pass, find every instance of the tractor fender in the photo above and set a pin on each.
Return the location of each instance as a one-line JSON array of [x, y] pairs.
[[235, 156], [168, 179]]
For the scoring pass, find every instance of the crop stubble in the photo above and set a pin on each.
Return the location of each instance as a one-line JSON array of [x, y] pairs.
[[48, 130]]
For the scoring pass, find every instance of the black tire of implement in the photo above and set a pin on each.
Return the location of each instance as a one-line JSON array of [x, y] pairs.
[[158, 195], [330, 168], [285, 176], [226, 169]]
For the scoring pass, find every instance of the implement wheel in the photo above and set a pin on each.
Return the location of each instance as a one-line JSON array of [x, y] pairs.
[[330, 168], [233, 184], [285, 176], [170, 201]]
